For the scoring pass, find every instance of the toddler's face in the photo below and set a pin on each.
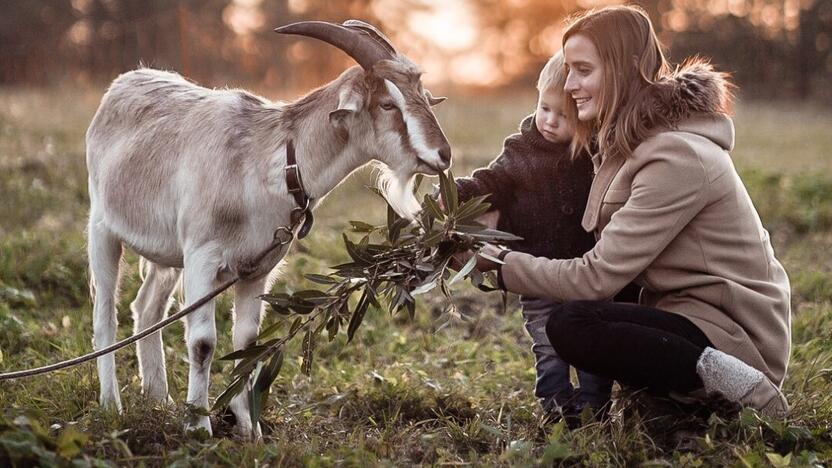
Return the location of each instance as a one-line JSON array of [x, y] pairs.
[[550, 119]]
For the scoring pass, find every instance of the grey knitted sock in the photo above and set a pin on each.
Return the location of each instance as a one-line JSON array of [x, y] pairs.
[[724, 374]]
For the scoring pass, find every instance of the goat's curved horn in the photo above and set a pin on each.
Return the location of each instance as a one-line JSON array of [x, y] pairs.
[[361, 41]]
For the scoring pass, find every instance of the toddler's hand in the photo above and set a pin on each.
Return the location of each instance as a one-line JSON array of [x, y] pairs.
[[490, 219]]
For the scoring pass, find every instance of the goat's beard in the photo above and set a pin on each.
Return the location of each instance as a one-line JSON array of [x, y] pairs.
[[397, 187]]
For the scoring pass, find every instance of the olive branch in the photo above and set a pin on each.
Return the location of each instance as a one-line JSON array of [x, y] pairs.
[[391, 264]]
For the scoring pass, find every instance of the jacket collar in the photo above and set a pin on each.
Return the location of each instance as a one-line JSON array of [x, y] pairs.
[[603, 178]]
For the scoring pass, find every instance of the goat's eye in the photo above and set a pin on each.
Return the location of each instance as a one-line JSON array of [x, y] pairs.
[[388, 106]]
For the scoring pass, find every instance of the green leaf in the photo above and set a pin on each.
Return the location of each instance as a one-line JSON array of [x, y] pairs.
[[357, 315], [487, 235], [470, 205], [371, 296], [493, 259], [308, 347], [472, 212], [295, 326], [278, 302], [269, 331], [430, 206], [392, 229], [426, 220], [411, 308], [244, 353], [447, 187], [314, 296], [423, 288], [248, 363], [260, 389], [453, 192], [469, 265], [355, 252], [332, 327], [358, 226], [434, 239], [321, 279], [282, 299], [396, 229], [236, 386]]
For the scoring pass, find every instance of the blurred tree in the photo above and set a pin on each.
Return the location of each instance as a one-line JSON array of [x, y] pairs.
[[773, 47], [814, 49], [211, 41], [521, 35], [31, 33]]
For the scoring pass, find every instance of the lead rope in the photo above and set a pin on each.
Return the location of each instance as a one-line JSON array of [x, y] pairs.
[[282, 236]]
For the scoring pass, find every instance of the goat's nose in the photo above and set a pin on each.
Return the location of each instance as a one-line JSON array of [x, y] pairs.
[[445, 155]]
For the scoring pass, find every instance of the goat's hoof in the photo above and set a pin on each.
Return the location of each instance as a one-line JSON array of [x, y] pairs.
[[198, 425], [248, 434], [111, 403]]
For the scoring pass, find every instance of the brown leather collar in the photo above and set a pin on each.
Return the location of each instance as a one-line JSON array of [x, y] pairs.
[[294, 183]]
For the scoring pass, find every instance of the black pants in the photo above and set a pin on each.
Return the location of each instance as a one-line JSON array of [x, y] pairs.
[[636, 345]]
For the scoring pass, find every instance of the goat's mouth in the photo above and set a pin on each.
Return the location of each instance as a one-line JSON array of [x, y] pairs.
[[434, 168]]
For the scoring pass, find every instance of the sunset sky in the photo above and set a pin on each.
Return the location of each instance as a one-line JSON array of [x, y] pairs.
[[446, 39]]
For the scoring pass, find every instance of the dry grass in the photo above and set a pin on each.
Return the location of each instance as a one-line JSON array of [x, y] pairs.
[[402, 393]]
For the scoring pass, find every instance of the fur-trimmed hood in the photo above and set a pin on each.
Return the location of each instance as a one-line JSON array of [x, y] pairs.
[[695, 98], [694, 87]]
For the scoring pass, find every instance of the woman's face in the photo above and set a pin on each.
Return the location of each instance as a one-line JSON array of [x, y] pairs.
[[585, 75]]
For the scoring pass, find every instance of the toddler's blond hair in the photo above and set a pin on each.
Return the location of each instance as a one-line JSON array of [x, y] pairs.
[[552, 76]]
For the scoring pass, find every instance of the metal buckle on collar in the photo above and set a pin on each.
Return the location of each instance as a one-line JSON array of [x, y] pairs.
[[304, 212], [299, 211]]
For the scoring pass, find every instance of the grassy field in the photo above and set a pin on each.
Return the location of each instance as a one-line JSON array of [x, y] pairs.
[[402, 392]]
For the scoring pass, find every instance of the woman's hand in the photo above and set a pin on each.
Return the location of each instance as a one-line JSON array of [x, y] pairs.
[[483, 263]]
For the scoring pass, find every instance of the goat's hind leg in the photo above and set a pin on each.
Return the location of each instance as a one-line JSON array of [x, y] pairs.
[[149, 307], [104, 256]]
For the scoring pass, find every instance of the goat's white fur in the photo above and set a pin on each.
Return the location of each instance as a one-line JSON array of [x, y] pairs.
[[192, 179], [417, 140]]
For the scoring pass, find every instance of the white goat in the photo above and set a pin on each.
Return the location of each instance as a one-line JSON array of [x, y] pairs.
[[192, 178]]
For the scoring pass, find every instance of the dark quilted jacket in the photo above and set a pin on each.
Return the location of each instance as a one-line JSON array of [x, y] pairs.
[[540, 191]]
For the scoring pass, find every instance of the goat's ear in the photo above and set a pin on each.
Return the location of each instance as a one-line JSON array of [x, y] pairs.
[[433, 100], [349, 102]]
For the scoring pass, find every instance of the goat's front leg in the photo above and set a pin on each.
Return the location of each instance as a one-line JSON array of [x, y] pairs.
[[200, 275], [248, 310]]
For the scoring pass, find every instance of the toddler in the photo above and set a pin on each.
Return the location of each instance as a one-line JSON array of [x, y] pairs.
[[538, 191]]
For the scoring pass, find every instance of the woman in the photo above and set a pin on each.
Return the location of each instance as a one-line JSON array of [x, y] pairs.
[[671, 215]]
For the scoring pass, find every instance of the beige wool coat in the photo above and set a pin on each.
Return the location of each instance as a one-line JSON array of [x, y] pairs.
[[675, 218]]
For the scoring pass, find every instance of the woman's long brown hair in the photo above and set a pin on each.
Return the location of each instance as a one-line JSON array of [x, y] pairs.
[[632, 60]]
